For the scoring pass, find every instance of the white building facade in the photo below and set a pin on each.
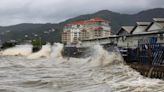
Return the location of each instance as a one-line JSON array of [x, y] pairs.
[[74, 32]]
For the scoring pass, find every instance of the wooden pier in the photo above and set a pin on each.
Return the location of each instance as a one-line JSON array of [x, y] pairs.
[[148, 59], [151, 71]]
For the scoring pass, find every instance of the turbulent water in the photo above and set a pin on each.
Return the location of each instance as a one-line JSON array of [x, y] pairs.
[[47, 71]]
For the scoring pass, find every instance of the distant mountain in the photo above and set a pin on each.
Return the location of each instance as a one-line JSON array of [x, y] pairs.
[[52, 32], [117, 20]]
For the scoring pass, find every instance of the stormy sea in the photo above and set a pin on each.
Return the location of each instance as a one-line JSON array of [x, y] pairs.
[[48, 71]]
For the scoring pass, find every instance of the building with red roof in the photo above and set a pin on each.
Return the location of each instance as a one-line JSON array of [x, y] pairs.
[[87, 29]]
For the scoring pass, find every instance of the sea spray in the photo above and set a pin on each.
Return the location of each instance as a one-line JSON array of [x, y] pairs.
[[111, 70], [43, 53], [101, 57], [47, 51], [57, 50], [21, 50], [75, 75]]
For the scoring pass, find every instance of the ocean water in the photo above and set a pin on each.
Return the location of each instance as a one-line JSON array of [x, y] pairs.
[[47, 71]]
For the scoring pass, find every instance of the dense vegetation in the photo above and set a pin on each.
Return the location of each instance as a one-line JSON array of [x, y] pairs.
[[52, 32], [6, 45]]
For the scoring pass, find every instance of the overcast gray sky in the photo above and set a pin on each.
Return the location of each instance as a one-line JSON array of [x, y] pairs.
[[54, 11]]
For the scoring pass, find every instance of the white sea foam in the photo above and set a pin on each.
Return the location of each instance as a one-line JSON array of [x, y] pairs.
[[101, 57], [101, 72], [22, 50], [46, 51], [43, 53], [57, 49]]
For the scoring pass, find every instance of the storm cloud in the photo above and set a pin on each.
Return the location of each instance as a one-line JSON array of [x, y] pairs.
[[53, 11]]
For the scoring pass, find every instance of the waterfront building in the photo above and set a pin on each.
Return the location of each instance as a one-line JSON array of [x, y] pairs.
[[140, 27], [157, 24], [66, 37], [125, 30], [93, 28], [129, 36]]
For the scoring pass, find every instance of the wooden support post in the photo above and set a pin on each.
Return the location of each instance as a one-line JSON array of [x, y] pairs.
[[149, 51]]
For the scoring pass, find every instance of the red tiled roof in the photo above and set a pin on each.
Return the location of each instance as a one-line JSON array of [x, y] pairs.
[[97, 19], [79, 22]]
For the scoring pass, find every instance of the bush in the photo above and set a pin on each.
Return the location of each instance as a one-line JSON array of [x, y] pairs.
[[37, 44], [8, 45]]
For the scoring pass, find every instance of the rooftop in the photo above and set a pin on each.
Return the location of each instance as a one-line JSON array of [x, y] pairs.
[[97, 19], [158, 19], [128, 28], [143, 23]]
